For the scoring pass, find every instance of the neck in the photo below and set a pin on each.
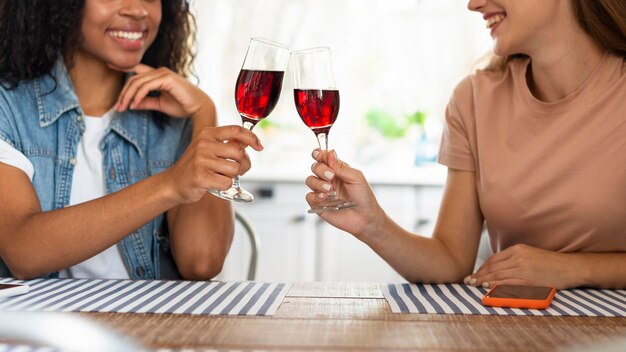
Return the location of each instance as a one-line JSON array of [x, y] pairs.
[[97, 86], [560, 70]]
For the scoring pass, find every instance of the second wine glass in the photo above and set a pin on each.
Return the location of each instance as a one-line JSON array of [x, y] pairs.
[[317, 101], [256, 94]]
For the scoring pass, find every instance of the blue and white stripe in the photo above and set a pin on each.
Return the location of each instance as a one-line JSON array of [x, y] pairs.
[[463, 299], [148, 296]]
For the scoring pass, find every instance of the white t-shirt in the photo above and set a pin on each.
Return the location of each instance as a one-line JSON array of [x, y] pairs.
[[87, 184]]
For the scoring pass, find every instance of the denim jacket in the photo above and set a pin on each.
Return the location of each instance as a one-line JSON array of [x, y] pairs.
[[42, 119]]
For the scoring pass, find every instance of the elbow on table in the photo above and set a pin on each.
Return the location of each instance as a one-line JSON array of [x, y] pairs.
[[23, 276], [22, 271], [18, 268], [455, 275], [205, 268]]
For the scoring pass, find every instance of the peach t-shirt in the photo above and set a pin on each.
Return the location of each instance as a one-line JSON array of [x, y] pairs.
[[550, 175]]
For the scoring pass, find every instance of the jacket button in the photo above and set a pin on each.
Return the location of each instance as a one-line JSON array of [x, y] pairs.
[[79, 118], [73, 161], [140, 271]]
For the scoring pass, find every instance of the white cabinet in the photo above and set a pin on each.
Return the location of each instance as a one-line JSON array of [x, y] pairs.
[[286, 238], [297, 246]]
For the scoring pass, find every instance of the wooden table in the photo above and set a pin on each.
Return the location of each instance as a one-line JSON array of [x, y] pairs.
[[355, 317]]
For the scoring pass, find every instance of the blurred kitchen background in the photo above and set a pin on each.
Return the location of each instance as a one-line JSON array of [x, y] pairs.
[[396, 63]]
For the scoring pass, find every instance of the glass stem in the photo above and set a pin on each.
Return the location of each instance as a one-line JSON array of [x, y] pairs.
[[249, 125], [322, 141], [236, 182]]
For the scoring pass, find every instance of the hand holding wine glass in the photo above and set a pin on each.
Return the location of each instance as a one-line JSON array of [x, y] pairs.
[[317, 101], [256, 93]]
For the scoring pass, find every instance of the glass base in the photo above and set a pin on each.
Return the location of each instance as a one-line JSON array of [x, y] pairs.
[[331, 205], [236, 194]]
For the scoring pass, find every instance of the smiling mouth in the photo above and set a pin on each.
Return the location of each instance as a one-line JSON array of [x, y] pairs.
[[491, 21], [127, 35]]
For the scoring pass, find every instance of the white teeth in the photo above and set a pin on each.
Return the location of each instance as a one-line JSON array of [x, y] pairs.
[[494, 19], [127, 35]]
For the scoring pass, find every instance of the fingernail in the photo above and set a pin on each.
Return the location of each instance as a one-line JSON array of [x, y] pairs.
[[485, 284], [329, 175], [321, 195], [472, 281], [326, 187], [466, 280], [335, 155], [316, 153]]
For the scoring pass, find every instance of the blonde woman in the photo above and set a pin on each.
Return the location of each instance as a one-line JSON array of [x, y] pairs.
[[535, 147]]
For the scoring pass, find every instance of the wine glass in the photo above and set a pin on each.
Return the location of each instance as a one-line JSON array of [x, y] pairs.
[[256, 93], [317, 102]]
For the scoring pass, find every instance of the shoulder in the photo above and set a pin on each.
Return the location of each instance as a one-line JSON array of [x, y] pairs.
[[19, 98], [487, 85], [18, 101], [487, 79], [14, 103]]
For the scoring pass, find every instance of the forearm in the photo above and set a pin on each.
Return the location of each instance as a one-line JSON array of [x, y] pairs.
[[416, 258], [43, 242], [201, 232], [601, 270], [200, 235]]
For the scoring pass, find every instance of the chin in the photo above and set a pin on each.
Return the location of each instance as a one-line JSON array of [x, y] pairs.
[[500, 51], [503, 49], [125, 61], [125, 65], [497, 48]]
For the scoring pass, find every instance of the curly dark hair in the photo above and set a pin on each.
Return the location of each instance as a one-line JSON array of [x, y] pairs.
[[35, 33]]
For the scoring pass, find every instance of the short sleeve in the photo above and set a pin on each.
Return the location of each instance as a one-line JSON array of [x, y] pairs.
[[11, 156], [9, 153], [6, 127], [455, 150]]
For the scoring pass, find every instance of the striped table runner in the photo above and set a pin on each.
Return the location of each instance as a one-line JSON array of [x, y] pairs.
[[148, 296], [4, 347], [463, 299], [26, 348]]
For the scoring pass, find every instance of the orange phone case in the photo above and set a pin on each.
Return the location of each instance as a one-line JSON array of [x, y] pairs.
[[518, 302]]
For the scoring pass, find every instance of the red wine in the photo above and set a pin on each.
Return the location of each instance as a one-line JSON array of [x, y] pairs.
[[318, 108], [257, 93]]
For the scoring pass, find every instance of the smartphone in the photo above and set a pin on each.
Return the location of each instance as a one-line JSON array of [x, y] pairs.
[[514, 296], [8, 290]]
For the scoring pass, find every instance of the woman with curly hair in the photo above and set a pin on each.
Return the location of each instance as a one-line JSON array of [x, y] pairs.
[[535, 147], [106, 150]]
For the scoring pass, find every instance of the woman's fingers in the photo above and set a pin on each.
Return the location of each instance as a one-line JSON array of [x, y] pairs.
[[498, 271], [242, 135], [139, 70], [227, 144], [318, 185], [343, 170], [322, 171], [223, 167], [138, 87]]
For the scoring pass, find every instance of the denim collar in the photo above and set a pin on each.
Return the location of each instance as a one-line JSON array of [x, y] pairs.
[[56, 96]]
